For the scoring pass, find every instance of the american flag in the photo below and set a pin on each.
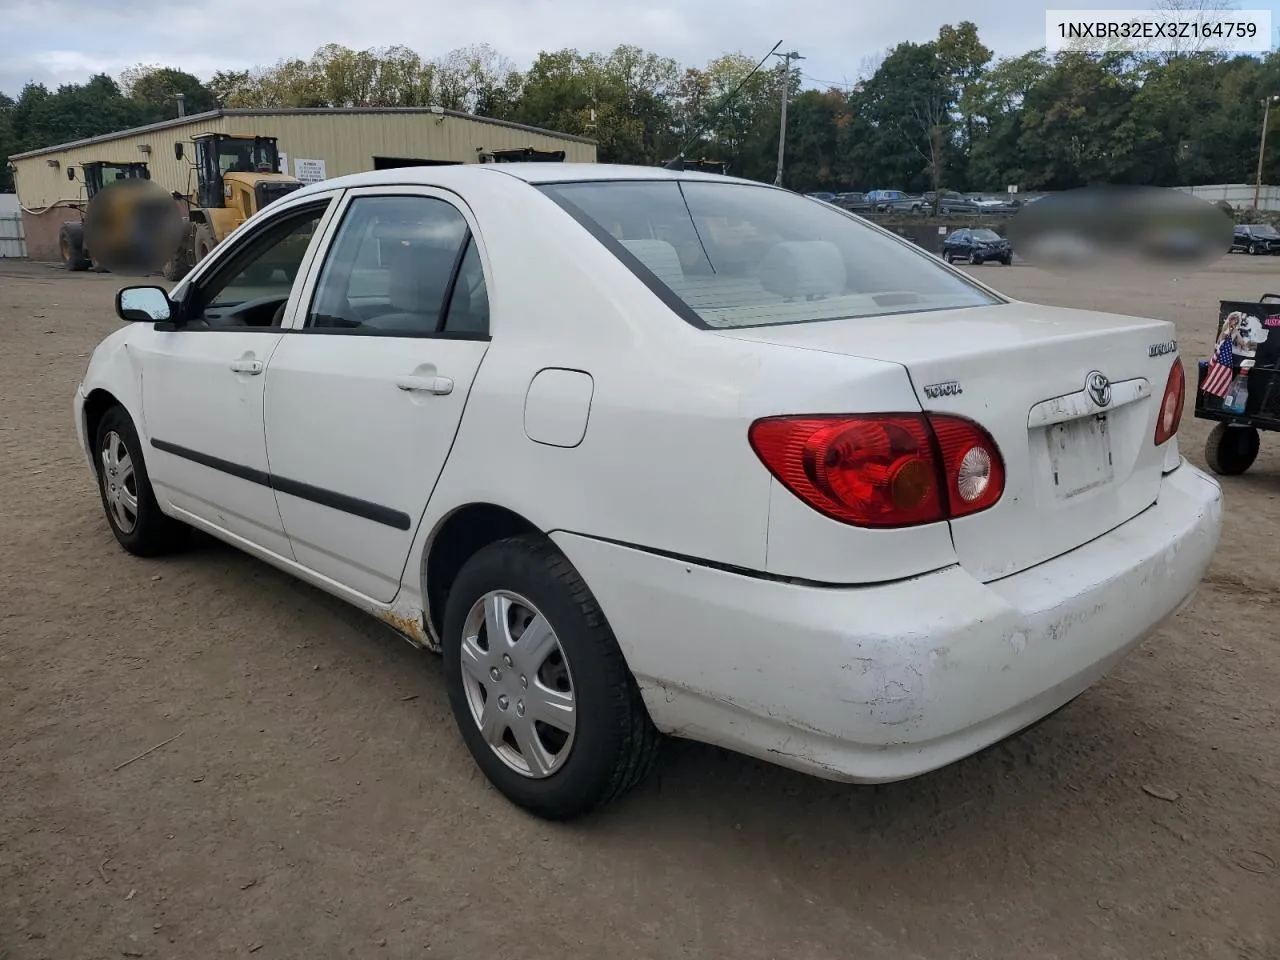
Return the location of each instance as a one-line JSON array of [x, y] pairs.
[[1218, 380]]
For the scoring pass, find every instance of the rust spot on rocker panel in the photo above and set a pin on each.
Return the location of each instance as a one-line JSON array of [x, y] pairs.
[[411, 628]]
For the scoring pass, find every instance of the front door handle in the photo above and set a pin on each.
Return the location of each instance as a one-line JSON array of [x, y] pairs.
[[251, 367], [437, 385]]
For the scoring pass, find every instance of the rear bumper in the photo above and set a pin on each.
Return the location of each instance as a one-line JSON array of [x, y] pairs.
[[880, 683]]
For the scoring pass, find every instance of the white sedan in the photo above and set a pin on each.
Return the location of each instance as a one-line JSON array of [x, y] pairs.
[[645, 452]]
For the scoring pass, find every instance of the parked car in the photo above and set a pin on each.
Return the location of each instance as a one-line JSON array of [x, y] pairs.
[[999, 206], [977, 246], [823, 196], [895, 201], [1255, 238], [853, 202], [872, 517], [950, 202]]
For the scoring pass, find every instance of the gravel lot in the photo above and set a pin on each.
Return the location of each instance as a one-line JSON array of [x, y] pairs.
[[319, 803]]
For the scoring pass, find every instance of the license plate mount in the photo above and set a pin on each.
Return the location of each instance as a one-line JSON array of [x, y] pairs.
[[1080, 453]]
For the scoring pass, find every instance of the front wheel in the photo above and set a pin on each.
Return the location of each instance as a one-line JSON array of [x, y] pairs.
[[1253, 249], [1230, 451], [71, 247], [538, 685], [127, 498], [1007, 261], [975, 260], [202, 241]]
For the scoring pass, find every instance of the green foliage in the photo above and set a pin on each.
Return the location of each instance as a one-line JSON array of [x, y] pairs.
[[930, 115]]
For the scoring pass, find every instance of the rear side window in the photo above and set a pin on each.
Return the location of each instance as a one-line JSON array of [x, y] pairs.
[[390, 267], [729, 255]]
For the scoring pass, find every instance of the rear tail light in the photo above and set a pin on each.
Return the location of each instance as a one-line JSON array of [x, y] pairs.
[[1175, 394], [883, 470]]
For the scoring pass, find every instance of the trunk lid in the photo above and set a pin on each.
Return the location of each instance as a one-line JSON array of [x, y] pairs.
[[1075, 468]]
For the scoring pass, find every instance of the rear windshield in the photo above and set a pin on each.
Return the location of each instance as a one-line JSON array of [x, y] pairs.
[[732, 255]]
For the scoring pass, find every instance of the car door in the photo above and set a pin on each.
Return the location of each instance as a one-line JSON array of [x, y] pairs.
[[364, 398], [959, 243], [202, 384]]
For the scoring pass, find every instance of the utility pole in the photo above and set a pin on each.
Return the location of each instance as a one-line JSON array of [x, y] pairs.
[[786, 93], [1262, 146]]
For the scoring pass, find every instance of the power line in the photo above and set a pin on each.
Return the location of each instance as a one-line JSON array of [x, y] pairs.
[[830, 83]]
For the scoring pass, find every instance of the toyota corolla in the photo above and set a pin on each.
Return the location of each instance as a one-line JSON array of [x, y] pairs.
[[644, 452]]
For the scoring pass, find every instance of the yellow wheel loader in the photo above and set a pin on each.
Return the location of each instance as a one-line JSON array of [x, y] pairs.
[[94, 175], [236, 176]]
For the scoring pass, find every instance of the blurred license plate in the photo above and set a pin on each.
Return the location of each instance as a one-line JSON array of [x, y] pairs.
[[1080, 451]]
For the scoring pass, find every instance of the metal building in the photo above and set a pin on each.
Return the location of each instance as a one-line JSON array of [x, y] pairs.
[[314, 144]]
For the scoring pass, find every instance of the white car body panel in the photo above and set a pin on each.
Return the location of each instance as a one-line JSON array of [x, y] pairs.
[[609, 423], [323, 393], [879, 683], [191, 397]]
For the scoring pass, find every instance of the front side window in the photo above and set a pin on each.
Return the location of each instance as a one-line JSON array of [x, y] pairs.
[[736, 255], [269, 265], [391, 266]]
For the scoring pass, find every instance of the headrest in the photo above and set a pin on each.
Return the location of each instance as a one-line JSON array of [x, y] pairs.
[[419, 275], [803, 268], [660, 257]]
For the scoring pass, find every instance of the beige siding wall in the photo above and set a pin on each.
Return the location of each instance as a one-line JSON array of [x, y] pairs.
[[40, 185], [348, 142]]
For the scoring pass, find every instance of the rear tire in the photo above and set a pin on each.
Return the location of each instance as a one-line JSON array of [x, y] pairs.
[[602, 742], [125, 488], [1230, 451]]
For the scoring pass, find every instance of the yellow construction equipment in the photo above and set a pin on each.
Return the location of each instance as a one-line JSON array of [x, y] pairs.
[[94, 175], [235, 177]]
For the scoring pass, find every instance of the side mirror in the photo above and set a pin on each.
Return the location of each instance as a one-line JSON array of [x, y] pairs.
[[177, 150], [143, 305], [71, 173]]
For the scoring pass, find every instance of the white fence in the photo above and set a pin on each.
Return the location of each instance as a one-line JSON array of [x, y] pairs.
[[12, 243], [1239, 195]]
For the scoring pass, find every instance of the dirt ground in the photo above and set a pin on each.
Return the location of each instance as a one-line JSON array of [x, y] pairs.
[[318, 802]]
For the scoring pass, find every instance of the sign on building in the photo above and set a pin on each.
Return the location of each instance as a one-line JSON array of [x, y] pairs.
[[308, 171]]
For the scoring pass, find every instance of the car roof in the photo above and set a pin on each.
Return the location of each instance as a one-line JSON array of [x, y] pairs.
[[470, 174]]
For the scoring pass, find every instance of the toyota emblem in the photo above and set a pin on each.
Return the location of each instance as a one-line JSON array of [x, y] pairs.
[[1099, 388]]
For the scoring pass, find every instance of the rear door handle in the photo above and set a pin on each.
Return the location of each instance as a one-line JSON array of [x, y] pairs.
[[437, 385], [251, 367]]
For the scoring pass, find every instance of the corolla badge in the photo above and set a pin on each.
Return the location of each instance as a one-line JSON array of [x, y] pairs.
[[1162, 349], [1099, 388]]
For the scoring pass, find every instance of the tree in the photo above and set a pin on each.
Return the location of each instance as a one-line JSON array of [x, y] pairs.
[[8, 142], [155, 90], [932, 114]]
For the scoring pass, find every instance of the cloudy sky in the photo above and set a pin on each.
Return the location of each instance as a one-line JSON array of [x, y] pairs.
[[62, 41]]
